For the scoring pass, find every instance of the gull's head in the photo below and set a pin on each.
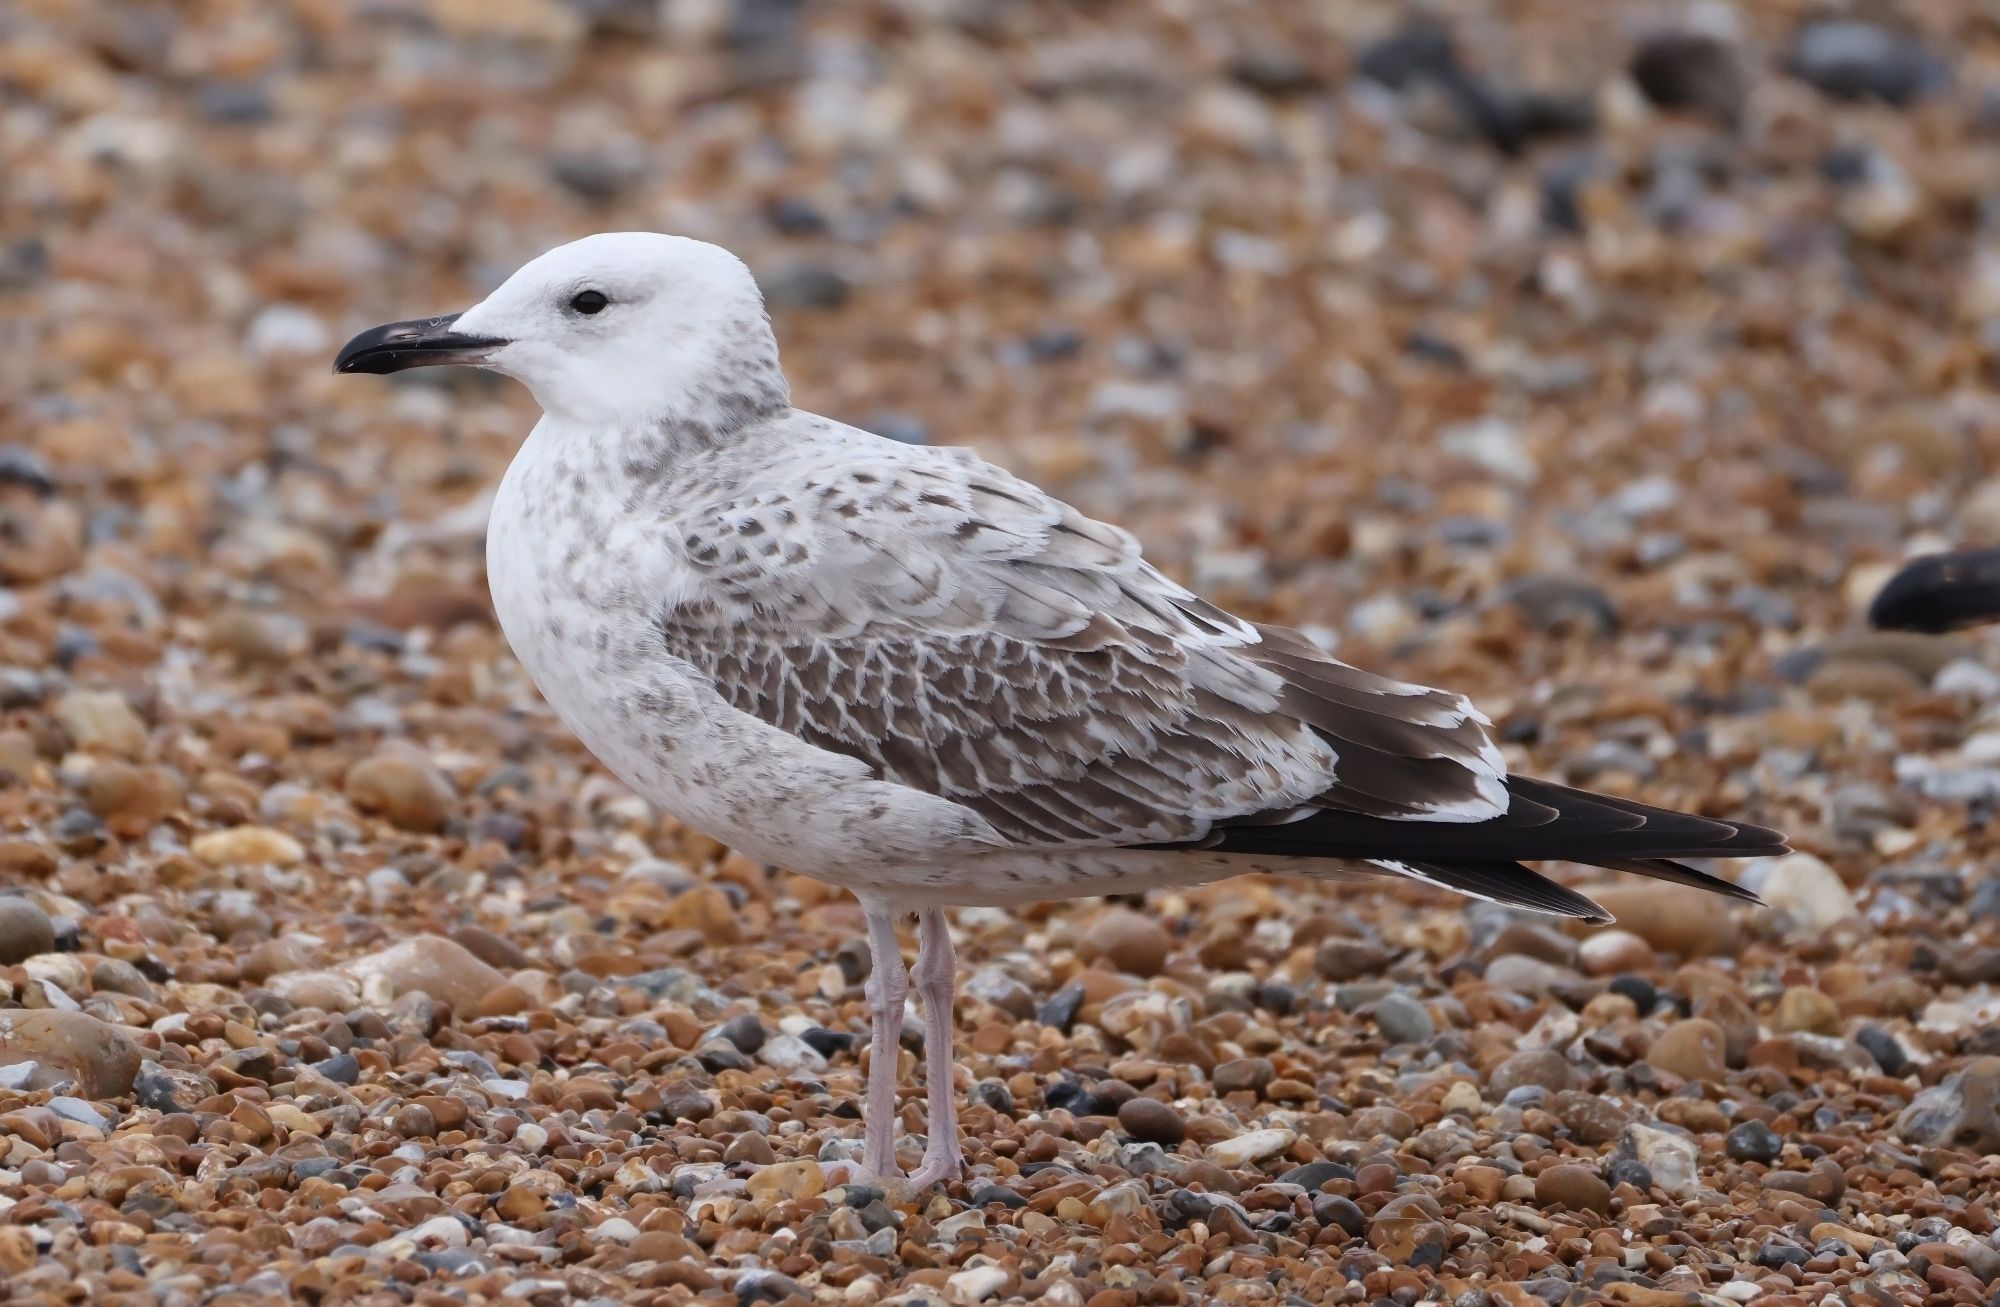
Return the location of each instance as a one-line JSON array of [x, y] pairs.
[[619, 328]]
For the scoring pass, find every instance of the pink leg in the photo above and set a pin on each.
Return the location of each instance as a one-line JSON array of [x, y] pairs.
[[888, 986], [937, 984]]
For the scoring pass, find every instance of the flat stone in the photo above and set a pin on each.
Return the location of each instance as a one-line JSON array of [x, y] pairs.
[[102, 1057], [1251, 1147], [442, 968]]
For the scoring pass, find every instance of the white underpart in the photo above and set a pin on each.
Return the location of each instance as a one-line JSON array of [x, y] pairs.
[[899, 669]]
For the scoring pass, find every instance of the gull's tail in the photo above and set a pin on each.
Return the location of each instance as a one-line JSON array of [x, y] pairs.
[[1543, 822], [1941, 592]]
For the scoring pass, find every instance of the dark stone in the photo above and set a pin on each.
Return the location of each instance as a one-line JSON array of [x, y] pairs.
[[1274, 70], [1563, 604], [1052, 345], [988, 1193], [716, 1055], [1644, 995], [1151, 1121], [1418, 51], [21, 466], [1061, 1009], [1884, 1048], [767, 1287], [994, 1094], [166, 1089], [1332, 1209], [1753, 1141], [746, 1032], [859, 1196], [78, 832], [233, 102], [1629, 1170], [806, 286], [1690, 71], [1067, 1096], [791, 216], [1314, 1174], [1853, 60], [828, 1043], [1985, 902], [23, 263], [1775, 1255]]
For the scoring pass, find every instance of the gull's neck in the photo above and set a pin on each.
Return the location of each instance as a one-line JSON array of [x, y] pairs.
[[706, 394]]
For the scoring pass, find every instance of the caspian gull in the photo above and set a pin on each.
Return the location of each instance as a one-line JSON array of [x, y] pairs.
[[907, 672]]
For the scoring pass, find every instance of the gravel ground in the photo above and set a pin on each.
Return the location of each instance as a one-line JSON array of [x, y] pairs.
[[1599, 369]]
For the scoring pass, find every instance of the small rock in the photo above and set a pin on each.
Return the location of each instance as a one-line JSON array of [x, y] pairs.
[[247, 846], [1591, 1118], [1802, 1008], [1692, 71], [976, 1284], [329, 991], [25, 930], [1578, 1188], [432, 964], [101, 720], [706, 909], [1826, 1183], [1253, 1146], [805, 286], [1243, 1074], [1693, 1050], [1152, 1121], [1542, 1067], [681, 1101], [1671, 918], [1520, 974], [1613, 952], [1672, 1158], [1130, 941], [782, 1181], [1563, 605], [1849, 59], [1341, 959], [1961, 1112], [1404, 1020], [1809, 890], [404, 787], [1753, 1141], [102, 1058], [789, 1053]]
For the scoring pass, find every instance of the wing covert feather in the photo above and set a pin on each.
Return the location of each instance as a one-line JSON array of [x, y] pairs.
[[965, 634]]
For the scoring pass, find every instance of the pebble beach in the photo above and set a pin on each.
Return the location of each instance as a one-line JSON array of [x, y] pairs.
[[1600, 362]]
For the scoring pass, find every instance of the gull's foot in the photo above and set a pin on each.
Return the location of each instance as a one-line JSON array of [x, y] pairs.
[[845, 1172], [940, 1167]]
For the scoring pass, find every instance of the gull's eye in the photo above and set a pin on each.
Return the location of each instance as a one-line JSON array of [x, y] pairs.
[[589, 301]]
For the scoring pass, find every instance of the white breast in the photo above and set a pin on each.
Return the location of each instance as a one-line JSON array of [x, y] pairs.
[[579, 576]]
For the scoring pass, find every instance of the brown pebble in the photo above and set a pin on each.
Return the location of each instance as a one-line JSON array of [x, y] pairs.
[[1578, 1188], [25, 930], [1539, 1066], [1152, 1121], [404, 787], [1129, 941], [1692, 1049], [1243, 1074], [1801, 1008]]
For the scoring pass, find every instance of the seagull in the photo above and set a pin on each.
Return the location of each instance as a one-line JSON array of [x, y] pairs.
[[904, 671]]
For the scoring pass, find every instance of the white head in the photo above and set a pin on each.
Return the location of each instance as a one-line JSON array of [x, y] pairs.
[[621, 329]]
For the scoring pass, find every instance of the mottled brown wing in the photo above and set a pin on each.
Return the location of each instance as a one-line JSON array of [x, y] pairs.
[[967, 635]]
